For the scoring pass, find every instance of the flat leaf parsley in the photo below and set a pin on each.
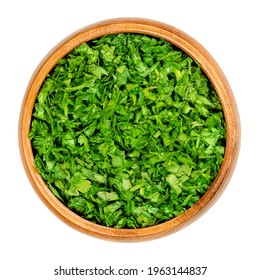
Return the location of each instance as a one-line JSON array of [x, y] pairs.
[[127, 131]]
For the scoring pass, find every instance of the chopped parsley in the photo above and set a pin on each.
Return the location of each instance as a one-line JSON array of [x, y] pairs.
[[127, 131]]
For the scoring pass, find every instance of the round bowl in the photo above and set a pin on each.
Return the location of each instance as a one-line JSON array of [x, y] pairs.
[[214, 74]]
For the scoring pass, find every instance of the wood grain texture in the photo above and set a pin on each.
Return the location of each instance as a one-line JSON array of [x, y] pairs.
[[213, 72]]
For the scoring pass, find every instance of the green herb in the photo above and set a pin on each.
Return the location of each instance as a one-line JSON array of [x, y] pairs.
[[127, 131]]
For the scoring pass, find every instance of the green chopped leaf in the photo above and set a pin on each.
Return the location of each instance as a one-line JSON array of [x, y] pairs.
[[174, 183], [107, 196]]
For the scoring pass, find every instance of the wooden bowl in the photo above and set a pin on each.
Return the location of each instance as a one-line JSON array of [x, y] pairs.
[[213, 72]]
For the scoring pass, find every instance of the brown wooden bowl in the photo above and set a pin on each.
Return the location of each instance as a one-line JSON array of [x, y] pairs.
[[213, 72]]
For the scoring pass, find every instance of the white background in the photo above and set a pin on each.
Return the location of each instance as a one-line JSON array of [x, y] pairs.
[[33, 242]]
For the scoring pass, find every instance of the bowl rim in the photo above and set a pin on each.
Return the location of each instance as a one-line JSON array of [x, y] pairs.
[[212, 71]]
